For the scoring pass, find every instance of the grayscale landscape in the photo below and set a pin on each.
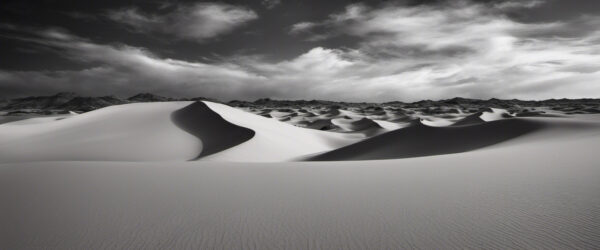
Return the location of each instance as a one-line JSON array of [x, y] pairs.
[[273, 124]]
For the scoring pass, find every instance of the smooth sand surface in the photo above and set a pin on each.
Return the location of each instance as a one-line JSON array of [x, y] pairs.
[[130, 132], [31, 119], [524, 196]]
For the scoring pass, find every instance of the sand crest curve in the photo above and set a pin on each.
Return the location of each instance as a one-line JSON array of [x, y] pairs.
[[216, 133]]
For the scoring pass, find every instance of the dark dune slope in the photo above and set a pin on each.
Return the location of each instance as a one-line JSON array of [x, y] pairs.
[[470, 120], [357, 125], [216, 133], [420, 140]]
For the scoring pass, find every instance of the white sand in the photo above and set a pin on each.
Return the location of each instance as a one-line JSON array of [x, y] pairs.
[[435, 121], [131, 132], [498, 198], [31, 118], [496, 114], [390, 125], [538, 190], [274, 140]]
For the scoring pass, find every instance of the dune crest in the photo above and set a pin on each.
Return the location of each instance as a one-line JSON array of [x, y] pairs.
[[473, 119], [274, 140], [216, 133]]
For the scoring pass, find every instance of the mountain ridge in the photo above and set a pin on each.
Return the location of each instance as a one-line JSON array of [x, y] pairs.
[[69, 101]]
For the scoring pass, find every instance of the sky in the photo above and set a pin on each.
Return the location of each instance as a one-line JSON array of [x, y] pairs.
[[342, 50]]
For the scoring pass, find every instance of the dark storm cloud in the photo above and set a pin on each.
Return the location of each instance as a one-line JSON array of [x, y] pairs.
[[406, 50], [121, 69]]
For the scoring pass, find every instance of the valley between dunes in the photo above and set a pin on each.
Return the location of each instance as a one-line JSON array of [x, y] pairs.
[[203, 175]]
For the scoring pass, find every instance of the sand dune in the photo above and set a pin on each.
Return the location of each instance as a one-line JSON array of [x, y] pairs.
[[433, 121], [470, 120], [275, 140], [334, 112], [492, 114], [170, 131], [215, 133], [363, 125], [318, 124], [422, 140], [366, 121], [495, 114], [391, 125], [519, 183], [356, 125], [130, 132]]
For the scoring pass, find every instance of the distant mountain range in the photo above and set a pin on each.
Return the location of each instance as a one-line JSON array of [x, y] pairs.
[[68, 101], [454, 105]]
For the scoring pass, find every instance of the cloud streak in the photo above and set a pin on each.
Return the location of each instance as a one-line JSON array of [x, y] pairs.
[[196, 22], [270, 4]]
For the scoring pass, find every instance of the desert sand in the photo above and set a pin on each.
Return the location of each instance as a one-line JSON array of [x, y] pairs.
[[184, 175]]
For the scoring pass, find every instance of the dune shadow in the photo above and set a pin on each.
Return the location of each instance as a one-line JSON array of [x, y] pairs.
[[216, 133], [421, 140], [470, 120]]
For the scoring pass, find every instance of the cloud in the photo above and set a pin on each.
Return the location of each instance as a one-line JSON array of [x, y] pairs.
[[405, 53], [80, 15], [464, 48], [306, 29], [270, 4], [197, 22], [301, 27], [506, 5], [123, 69]]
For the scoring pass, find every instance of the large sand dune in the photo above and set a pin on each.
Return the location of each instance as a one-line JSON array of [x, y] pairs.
[[131, 132], [422, 140], [275, 140], [170, 131], [121, 178]]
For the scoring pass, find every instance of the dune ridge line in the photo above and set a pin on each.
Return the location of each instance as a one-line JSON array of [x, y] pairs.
[[216, 133]]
